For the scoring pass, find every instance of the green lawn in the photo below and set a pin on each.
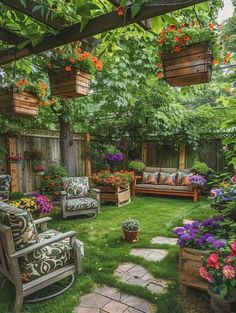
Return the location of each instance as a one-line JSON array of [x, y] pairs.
[[105, 250]]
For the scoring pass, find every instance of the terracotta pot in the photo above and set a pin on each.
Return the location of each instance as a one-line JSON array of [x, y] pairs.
[[131, 235], [222, 305]]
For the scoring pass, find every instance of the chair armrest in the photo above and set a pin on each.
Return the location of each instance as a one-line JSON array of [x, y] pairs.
[[63, 193], [42, 244], [95, 190], [43, 222]]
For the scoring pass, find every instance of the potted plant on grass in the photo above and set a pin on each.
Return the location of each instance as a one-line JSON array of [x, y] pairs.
[[70, 70], [113, 156], [131, 229], [219, 270]]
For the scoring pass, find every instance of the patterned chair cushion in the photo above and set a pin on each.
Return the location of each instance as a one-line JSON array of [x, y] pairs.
[[167, 179], [5, 182], [81, 204], [150, 178], [46, 259], [75, 187], [21, 223]]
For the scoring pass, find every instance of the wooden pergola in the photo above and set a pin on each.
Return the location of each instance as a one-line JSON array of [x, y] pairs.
[[70, 33]]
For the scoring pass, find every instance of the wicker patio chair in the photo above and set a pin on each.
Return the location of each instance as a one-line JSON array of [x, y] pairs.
[[77, 198], [32, 260]]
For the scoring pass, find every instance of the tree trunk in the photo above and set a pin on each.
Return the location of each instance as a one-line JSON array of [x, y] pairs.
[[66, 145]]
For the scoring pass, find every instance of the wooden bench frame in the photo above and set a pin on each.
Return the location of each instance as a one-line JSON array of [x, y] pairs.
[[9, 265], [180, 193]]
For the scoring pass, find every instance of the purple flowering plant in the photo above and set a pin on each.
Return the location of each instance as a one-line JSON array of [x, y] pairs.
[[113, 154], [197, 180], [201, 235], [44, 205]]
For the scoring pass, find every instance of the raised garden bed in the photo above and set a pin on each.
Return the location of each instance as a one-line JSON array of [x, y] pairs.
[[119, 196], [190, 260]]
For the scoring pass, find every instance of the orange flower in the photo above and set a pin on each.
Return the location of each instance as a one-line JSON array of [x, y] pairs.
[[52, 101], [176, 39], [159, 41], [186, 38], [182, 25], [228, 55], [99, 66], [179, 31], [212, 26], [159, 64], [79, 50], [120, 10], [159, 74], [68, 68], [176, 49], [215, 61], [163, 33], [72, 60], [226, 61]]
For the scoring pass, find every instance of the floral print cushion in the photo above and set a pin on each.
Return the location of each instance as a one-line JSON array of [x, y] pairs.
[[183, 178], [21, 223], [150, 178], [75, 187], [81, 204], [46, 259], [167, 179], [5, 182]]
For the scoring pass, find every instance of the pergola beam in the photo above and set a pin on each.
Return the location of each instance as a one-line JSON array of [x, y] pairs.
[[51, 21], [100, 24], [9, 37]]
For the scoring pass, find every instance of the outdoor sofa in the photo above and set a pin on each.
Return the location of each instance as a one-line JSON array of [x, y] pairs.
[[165, 181]]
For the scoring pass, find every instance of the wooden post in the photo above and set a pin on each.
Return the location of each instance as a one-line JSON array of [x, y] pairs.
[[13, 169], [126, 142], [88, 171], [144, 152], [181, 156]]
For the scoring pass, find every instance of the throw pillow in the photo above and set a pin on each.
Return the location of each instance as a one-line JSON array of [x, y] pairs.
[[167, 179], [183, 178], [150, 178]]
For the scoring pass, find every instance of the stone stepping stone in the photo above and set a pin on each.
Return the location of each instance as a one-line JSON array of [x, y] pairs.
[[111, 300], [150, 254], [134, 274], [164, 240]]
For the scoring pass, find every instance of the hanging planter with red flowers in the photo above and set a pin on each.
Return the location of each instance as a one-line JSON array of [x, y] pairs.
[[24, 98], [186, 54], [70, 72]]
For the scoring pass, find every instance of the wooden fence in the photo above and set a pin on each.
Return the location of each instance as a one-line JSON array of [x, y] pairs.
[[183, 156], [47, 142]]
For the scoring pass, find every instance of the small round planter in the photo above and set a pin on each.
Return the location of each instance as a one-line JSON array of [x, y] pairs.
[[114, 165], [131, 236], [222, 305]]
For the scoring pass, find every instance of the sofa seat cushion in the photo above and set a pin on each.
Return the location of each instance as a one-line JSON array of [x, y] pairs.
[[75, 187], [23, 229], [182, 188], [144, 186], [163, 187], [150, 169], [81, 204], [46, 259]]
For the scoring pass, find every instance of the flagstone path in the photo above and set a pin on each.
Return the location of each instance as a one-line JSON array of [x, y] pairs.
[[164, 240], [150, 254]]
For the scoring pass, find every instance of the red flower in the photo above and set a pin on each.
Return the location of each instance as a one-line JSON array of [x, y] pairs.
[[176, 49], [159, 41], [171, 28], [177, 39], [212, 26], [182, 25], [186, 38], [120, 10], [159, 74], [213, 261], [68, 68], [204, 274], [228, 271], [233, 248], [163, 33], [159, 64], [215, 61]]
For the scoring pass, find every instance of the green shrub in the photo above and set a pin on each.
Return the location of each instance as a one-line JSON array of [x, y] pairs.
[[55, 170], [16, 195], [136, 166], [201, 168]]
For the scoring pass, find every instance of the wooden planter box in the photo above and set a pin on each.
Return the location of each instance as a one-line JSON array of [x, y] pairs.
[[191, 66], [117, 195], [67, 85], [190, 260], [14, 103]]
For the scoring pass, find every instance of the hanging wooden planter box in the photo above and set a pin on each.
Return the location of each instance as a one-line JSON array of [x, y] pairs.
[[191, 66], [190, 261], [68, 85], [18, 103], [119, 196]]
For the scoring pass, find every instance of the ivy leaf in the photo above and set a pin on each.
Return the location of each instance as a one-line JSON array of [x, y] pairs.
[[157, 24]]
